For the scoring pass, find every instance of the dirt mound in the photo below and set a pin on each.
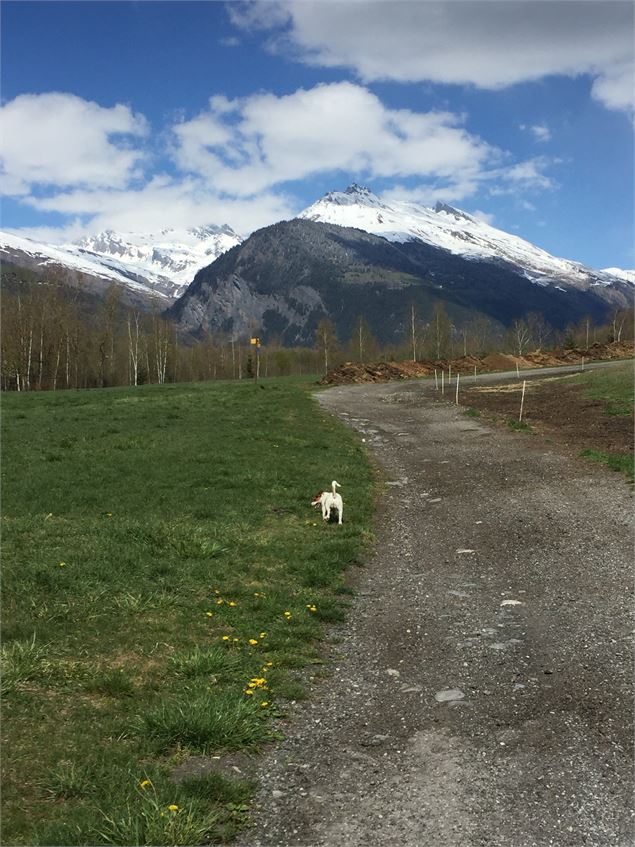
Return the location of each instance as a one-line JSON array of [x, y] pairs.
[[355, 372], [502, 362]]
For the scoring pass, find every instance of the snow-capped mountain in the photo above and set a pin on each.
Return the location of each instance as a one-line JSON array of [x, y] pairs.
[[174, 255], [620, 273], [160, 264], [455, 231]]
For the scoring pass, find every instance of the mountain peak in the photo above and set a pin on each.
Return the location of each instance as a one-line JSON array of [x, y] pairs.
[[354, 188], [450, 210]]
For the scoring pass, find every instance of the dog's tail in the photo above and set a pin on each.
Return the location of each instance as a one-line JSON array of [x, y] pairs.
[[335, 485]]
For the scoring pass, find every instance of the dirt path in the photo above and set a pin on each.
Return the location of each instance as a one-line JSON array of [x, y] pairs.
[[501, 581]]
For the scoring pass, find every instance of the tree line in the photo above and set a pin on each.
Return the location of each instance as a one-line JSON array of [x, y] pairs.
[[54, 337]]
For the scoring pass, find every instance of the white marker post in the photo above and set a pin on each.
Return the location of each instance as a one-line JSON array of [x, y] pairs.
[[436, 380], [442, 381], [522, 401], [457, 389], [474, 373], [449, 374], [517, 371], [583, 363]]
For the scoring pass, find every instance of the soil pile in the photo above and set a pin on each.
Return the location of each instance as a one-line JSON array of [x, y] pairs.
[[357, 372]]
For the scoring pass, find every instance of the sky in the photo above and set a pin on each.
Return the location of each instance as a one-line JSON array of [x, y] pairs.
[[149, 115]]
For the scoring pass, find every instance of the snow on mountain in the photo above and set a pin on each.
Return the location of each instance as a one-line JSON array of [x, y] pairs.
[[171, 254], [159, 264], [453, 230], [620, 273]]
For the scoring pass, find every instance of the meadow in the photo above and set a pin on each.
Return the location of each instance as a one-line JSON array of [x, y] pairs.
[[165, 589]]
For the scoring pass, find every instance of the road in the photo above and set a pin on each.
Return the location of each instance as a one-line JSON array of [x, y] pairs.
[[482, 688]]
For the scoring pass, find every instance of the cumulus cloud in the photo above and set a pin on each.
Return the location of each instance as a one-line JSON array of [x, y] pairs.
[[164, 202], [59, 139], [239, 161], [490, 44], [251, 144], [540, 132]]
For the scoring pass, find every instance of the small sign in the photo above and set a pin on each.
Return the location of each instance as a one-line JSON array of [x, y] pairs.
[[255, 342]]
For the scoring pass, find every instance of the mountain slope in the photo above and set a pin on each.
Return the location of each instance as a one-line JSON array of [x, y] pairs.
[[150, 266], [452, 230], [284, 278]]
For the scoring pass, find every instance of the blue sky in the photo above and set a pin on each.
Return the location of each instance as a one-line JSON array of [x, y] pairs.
[[144, 115]]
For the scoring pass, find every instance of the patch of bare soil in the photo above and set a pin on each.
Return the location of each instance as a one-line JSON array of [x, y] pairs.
[[358, 372], [558, 409]]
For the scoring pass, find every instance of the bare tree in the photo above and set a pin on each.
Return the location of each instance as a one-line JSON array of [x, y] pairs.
[[326, 339], [522, 336]]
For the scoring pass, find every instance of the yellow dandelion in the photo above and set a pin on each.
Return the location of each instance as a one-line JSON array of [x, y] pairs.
[[248, 691], [231, 603], [210, 614], [173, 807], [216, 591], [61, 564], [236, 639], [264, 704], [269, 664], [263, 634], [288, 615], [219, 602], [144, 783], [253, 641], [225, 638]]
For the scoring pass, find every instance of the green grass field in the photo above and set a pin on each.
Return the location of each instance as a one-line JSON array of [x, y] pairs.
[[614, 387], [165, 584]]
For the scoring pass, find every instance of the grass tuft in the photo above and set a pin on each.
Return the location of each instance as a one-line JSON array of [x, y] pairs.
[[206, 721]]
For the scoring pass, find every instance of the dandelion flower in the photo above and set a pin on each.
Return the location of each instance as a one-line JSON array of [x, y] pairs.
[[61, 564], [253, 641], [219, 602], [248, 691], [231, 603], [263, 634], [269, 664], [264, 704], [144, 783], [209, 614], [225, 637], [288, 615], [173, 807]]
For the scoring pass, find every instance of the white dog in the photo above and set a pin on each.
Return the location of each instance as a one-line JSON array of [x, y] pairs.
[[330, 500]]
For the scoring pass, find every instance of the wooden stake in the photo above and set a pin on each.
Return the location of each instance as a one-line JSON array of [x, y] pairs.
[[436, 380], [457, 389], [442, 381], [474, 373], [583, 363], [522, 401], [449, 374], [517, 371]]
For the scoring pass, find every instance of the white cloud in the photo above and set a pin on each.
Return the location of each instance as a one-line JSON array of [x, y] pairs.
[[165, 202], [58, 139], [250, 145], [235, 160], [541, 132], [490, 44], [486, 217]]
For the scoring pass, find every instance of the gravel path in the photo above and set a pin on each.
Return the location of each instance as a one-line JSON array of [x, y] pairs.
[[482, 688]]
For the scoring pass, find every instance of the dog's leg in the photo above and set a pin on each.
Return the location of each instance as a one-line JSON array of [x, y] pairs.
[[340, 513]]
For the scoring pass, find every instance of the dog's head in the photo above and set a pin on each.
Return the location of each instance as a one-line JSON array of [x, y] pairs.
[[317, 500]]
